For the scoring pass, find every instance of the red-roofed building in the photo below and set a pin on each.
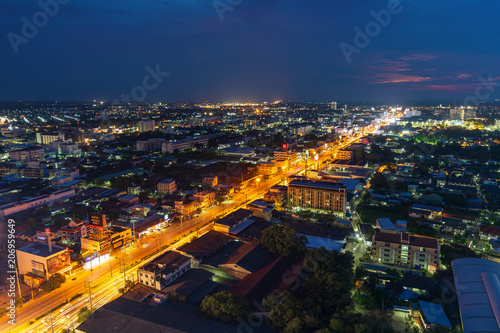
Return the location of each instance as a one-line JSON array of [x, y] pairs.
[[489, 231], [406, 250]]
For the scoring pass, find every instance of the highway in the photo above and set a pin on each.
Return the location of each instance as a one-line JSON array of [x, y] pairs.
[[104, 288]]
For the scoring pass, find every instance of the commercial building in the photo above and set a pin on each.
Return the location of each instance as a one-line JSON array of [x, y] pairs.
[[210, 181], [317, 196], [267, 168], [206, 198], [233, 220], [164, 269], [345, 154], [74, 231], [288, 155], [106, 239], [476, 284], [19, 206], [182, 145], [167, 186], [187, 207], [406, 250], [40, 260], [278, 195]]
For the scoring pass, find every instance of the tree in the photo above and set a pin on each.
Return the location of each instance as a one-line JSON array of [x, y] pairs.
[[284, 309], [54, 282], [84, 314], [282, 239], [378, 181], [225, 306], [143, 196], [99, 182]]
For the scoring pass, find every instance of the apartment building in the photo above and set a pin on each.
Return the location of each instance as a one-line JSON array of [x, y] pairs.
[[27, 155], [167, 186], [146, 126], [46, 138], [164, 269], [150, 145], [317, 196], [406, 250]]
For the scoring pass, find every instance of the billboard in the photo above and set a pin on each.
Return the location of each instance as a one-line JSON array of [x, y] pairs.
[[284, 146], [97, 220], [58, 262], [37, 268]]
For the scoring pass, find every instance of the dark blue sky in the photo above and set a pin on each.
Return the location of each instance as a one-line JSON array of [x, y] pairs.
[[262, 50]]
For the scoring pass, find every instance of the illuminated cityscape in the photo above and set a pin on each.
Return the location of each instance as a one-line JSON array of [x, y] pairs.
[[234, 166]]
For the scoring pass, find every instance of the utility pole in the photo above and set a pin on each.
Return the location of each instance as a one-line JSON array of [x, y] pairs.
[[110, 266], [51, 322], [124, 272], [90, 295]]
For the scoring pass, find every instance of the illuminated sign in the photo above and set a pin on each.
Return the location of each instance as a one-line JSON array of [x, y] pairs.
[[284, 146], [97, 220], [58, 262]]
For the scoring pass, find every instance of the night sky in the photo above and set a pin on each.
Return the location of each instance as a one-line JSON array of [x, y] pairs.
[[261, 50]]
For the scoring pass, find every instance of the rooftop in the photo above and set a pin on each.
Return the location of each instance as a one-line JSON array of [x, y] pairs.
[[477, 286], [414, 240], [42, 249]]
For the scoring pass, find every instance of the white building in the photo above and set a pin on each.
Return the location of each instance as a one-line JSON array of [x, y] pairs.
[[146, 126]]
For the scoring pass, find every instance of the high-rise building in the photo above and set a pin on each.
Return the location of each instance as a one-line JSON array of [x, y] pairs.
[[146, 125], [462, 113], [333, 105], [317, 196]]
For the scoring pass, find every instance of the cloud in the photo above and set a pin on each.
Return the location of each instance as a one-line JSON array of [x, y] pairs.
[[464, 76], [422, 57]]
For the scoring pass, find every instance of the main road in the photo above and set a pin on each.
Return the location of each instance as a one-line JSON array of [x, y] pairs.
[[106, 279]]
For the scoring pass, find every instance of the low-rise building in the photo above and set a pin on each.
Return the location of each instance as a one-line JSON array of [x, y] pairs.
[[42, 260], [233, 220], [406, 250], [267, 168], [74, 231], [164, 269], [206, 198], [187, 207], [167, 186]]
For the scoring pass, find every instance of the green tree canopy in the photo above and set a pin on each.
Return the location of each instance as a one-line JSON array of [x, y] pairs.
[[225, 306], [282, 239], [284, 309]]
